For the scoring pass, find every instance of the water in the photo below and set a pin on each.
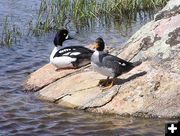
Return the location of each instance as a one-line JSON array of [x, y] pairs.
[[23, 114]]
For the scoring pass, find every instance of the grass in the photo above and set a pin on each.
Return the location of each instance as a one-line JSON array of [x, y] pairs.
[[10, 33], [54, 14]]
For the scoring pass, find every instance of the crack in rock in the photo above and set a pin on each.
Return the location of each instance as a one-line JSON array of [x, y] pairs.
[[70, 93], [101, 100], [61, 97]]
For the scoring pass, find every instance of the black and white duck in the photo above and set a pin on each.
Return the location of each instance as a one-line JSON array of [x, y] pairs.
[[69, 56]]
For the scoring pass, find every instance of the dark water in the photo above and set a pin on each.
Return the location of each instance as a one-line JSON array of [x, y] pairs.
[[22, 114]]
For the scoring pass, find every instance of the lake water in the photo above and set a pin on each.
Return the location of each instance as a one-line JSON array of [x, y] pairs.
[[23, 114]]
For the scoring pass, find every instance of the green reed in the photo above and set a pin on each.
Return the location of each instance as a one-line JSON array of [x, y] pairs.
[[51, 15], [10, 33], [54, 14]]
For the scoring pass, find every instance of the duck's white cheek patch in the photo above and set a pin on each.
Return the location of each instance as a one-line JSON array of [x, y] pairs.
[[75, 53], [67, 37]]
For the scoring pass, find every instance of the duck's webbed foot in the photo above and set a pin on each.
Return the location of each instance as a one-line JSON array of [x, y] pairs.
[[108, 84], [102, 82]]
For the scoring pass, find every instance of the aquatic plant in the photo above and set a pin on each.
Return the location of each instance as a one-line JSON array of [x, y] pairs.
[[79, 14], [54, 14], [10, 33]]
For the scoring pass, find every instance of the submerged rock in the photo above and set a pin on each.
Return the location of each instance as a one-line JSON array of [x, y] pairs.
[[149, 90]]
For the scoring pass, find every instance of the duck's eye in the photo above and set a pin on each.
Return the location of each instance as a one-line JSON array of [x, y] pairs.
[[64, 34]]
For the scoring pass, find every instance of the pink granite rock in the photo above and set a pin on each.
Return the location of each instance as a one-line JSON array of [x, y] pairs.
[[152, 89]]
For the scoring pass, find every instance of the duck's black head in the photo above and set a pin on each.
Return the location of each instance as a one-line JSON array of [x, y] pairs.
[[61, 36], [99, 44]]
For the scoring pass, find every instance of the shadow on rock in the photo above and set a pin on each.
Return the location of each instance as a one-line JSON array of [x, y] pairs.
[[122, 81]]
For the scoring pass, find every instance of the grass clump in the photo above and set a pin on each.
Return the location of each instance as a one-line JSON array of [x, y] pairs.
[[54, 14], [10, 33], [58, 13]]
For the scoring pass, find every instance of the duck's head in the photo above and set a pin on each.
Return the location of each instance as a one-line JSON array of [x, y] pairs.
[[99, 44], [61, 36]]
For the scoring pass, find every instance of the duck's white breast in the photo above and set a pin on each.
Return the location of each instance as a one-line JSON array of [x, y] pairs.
[[103, 70], [63, 61]]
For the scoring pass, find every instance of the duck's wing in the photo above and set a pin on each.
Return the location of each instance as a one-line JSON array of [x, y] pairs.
[[110, 60], [74, 52], [124, 63], [118, 65]]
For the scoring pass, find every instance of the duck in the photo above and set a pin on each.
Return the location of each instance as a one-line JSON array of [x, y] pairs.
[[70, 56], [109, 65]]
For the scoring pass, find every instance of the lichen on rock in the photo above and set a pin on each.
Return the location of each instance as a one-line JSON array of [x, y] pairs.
[[174, 37]]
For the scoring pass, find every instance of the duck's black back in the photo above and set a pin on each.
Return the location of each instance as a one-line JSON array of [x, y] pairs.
[[78, 52]]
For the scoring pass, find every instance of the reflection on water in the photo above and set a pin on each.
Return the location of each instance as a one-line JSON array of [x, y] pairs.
[[22, 114]]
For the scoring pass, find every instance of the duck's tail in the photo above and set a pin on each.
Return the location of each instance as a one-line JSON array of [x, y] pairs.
[[131, 65], [137, 63]]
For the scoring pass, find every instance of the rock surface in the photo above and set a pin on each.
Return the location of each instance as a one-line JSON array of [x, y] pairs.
[[150, 90], [44, 76]]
